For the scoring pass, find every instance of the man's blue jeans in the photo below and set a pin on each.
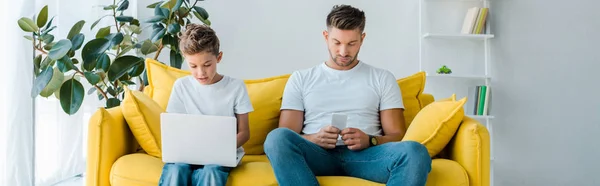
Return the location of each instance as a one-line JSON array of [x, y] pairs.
[[296, 161], [196, 175]]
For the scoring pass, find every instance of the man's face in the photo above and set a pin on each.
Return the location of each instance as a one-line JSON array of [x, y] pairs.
[[203, 66], [343, 45]]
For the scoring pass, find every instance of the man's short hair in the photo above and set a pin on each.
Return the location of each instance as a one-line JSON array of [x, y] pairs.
[[346, 17], [199, 38]]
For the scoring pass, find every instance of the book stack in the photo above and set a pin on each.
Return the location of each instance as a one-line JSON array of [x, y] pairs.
[[480, 96], [475, 21]]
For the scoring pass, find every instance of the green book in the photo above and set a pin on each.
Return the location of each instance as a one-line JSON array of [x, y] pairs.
[[481, 100]]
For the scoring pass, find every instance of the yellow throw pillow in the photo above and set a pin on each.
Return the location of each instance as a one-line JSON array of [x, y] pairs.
[[411, 88], [161, 78], [435, 125], [265, 96], [451, 98], [143, 117]]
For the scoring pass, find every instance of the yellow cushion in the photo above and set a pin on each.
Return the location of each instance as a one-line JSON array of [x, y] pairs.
[[451, 98], [265, 96], [136, 169], [436, 124], [160, 81], [446, 172], [411, 88], [143, 117]]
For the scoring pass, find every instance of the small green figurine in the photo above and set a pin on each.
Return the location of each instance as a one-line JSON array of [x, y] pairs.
[[444, 70]]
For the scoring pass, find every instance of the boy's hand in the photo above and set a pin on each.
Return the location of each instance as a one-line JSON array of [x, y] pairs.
[[355, 139]]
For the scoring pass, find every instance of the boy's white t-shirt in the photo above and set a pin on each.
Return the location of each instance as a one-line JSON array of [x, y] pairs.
[[226, 97], [361, 93]]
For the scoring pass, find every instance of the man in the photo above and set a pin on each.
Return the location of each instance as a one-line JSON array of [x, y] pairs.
[[307, 145]]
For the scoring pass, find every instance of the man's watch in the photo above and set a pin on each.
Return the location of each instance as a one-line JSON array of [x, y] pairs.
[[372, 141]]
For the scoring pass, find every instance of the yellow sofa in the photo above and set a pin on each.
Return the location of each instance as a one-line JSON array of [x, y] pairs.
[[116, 158]]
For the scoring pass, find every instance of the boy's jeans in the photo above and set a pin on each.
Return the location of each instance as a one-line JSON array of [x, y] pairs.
[[296, 161], [195, 175]]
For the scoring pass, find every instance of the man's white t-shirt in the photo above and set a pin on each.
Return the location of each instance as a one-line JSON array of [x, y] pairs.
[[226, 97], [360, 93]]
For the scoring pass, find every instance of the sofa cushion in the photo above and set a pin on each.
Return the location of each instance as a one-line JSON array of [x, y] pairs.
[[143, 169], [136, 169], [436, 124], [411, 88], [160, 81], [265, 96], [143, 117]]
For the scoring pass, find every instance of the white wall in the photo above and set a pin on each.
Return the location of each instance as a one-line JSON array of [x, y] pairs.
[[547, 122], [263, 38]]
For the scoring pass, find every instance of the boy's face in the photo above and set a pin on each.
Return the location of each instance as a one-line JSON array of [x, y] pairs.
[[204, 66], [343, 46]]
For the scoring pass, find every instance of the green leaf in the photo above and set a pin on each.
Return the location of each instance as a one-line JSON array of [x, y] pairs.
[[110, 7], [54, 84], [137, 70], [158, 34], [49, 23], [148, 47], [46, 63], [203, 13], [135, 22], [155, 19], [103, 32], [75, 61], [48, 38], [65, 64], [124, 5], [42, 17], [77, 41], [91, 90], [49, 46], [112, 102], [128, 82], [124, 19], [125, 50], [92, 50], [28, 38], [135, 29], [97, 21], [153, 5], [92, 78], [41, 81], [176, 59], [172, 42], [122, 65], [27, 25], [103, 62], [36, 63], [71, 96], [174, 28], [46, 31], [177, 5], [76, 29], [60, 49], [169, 4], [114, 39]]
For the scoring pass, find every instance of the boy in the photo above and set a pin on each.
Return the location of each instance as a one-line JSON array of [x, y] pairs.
[[205, 92]]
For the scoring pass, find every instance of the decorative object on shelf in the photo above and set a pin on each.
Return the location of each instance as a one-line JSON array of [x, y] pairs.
[[444, 70], [112, 59]]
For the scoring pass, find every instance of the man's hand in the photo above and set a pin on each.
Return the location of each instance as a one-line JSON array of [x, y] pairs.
[[326, 137], [355, 139]]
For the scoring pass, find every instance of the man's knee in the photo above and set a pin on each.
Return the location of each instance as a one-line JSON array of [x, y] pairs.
[[277, 139], [412, 149]]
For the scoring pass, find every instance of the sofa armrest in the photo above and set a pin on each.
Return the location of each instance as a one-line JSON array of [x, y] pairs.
[[470, 147], [109, 138]]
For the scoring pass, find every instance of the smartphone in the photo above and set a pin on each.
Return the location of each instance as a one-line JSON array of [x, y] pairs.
[[339, 120]]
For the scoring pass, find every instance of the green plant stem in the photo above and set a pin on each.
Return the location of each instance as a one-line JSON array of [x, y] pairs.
[[116, 24], [97, 87], [160, 47], [190, 8]]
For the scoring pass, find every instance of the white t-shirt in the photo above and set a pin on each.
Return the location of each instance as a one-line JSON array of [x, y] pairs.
[[360, 93], [226, 97]]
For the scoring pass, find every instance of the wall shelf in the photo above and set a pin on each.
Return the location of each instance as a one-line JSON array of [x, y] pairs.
[[458, 36], [480, 117], [458, 76]]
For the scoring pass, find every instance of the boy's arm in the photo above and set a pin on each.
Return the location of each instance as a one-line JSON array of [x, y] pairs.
[[175, 104], [242, 108]]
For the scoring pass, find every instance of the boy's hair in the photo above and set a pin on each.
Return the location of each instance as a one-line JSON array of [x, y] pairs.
[[346, 17], [199, 38]]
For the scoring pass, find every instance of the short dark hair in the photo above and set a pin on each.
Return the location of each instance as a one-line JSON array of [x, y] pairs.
[[199, 38], [346, 17]]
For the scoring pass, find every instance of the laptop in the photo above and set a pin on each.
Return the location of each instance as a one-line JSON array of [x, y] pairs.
[[200, 139]]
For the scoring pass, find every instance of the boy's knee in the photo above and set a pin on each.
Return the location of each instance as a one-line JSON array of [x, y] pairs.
[[176, 167]]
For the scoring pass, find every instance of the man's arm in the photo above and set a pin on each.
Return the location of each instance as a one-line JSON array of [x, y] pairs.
[[393, 125], [291, 119], [294, 119], [243, 131]]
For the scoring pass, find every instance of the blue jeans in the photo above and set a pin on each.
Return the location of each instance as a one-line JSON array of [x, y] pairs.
[[196, 175], [296, 161]]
